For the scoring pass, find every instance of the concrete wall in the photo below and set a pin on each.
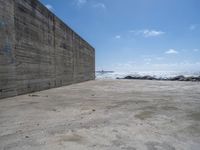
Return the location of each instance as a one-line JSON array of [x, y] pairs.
[[38, 51]]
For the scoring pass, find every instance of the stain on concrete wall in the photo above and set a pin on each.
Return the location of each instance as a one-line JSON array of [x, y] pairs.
[[2, 24], [38, 51], [7, 48]]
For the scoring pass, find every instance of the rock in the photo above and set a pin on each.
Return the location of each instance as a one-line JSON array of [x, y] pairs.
[[33, 95], [129, 77], [176, 78], [148, 78]]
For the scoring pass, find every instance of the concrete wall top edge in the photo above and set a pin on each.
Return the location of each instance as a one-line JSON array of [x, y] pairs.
[[38, 3]]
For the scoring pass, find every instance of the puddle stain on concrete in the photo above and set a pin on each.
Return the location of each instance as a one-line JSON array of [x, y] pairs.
[[169, 108], [71, 138], [159, 146], [195, 116], [144, 115], [193, 130], [125, 103], [129, 148]]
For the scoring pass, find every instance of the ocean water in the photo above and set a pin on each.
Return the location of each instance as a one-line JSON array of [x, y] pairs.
[[157, 74]]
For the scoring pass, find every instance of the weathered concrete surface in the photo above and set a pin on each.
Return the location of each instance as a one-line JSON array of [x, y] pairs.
[[104, 115], [38, 51]]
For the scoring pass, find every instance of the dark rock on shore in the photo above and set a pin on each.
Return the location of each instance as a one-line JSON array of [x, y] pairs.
[[177, 78], [140, 77]]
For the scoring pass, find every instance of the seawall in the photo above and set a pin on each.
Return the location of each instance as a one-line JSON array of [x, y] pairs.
[[38, 51]]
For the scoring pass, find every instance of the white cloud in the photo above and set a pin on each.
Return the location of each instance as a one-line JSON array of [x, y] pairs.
[[118, 37], [171, 51], [196, 50], [124, 67], [48, 6], [179, 66], [99, 5], [148, 33], [132, 31], [81, 2], [147, 59], [159, 58], [193, 27]]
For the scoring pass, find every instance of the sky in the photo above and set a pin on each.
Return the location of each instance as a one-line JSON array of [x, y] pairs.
[[136, 35]]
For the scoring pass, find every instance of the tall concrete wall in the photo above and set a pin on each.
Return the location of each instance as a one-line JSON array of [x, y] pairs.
[[38, 51]]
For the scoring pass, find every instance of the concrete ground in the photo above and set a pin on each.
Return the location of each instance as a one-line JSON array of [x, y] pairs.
[[104, 115]]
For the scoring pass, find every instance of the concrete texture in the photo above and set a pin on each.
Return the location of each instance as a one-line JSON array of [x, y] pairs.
[[104, 115], [38, 51]]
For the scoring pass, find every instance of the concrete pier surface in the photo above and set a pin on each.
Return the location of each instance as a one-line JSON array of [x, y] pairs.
[[104, 115]]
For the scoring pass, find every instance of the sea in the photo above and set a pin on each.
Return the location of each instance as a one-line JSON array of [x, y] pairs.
[[157, 74]]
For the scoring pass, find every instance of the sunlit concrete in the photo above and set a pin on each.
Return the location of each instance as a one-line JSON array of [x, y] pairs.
[[104, 115]]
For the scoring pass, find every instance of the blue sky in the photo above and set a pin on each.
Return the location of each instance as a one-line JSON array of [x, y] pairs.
[[136, 35]]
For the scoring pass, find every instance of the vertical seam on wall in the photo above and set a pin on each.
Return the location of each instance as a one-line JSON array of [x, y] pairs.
[[14, 47], [54, 44]]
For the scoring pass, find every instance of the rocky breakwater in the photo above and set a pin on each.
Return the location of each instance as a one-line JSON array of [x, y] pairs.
[[176, 78]]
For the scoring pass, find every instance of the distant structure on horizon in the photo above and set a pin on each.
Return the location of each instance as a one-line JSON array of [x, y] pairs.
[[38, 51], [103, 71]]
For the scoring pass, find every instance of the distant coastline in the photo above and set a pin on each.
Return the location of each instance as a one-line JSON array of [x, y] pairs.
[[176, 78], [103, 71], [150, 75]]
